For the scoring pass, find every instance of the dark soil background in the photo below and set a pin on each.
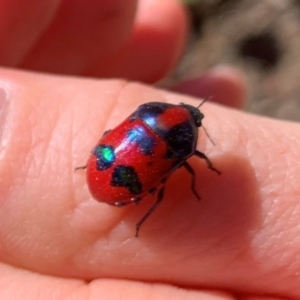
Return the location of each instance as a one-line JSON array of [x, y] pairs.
[[261, 38]]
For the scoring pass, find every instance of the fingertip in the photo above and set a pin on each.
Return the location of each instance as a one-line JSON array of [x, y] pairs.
[[154, 47], [166, 39], [222, 84]]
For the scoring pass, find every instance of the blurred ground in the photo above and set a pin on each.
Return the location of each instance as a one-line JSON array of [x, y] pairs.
[[260, 37]]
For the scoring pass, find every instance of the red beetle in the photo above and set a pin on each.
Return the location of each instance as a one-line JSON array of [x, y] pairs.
[[137, 157]]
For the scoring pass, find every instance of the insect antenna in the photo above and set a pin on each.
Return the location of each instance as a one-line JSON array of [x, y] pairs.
[[203, 101], [211, 140]]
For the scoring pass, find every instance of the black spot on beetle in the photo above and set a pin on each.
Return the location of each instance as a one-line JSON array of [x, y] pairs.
[[169, 154], [150, 110], [126, 176], [180, 140], [139, 136]]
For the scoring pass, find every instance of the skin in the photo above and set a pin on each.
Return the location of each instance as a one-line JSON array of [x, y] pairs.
[[240, 241]]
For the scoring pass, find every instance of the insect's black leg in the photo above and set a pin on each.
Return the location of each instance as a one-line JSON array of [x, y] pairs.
[[193, 175], [160, 196], [80, 168], [152, 191], [208, 162]]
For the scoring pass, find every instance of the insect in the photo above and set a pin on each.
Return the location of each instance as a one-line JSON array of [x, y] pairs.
[[137, 157]]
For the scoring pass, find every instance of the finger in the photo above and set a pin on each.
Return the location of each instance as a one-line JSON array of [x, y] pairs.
[[222, 84], [19, 284], [155, 45], [21, 24], [81, 32], [140, 291], [73, 47], [242, 236]]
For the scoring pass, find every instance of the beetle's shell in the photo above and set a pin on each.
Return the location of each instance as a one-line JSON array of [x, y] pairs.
[[133, 158]]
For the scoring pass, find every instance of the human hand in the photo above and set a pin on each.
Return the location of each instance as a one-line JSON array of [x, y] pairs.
[[241, 238], [58, 243], [93, 38]]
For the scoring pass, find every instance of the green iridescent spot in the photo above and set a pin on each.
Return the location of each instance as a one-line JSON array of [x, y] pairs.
[[105, 156]]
